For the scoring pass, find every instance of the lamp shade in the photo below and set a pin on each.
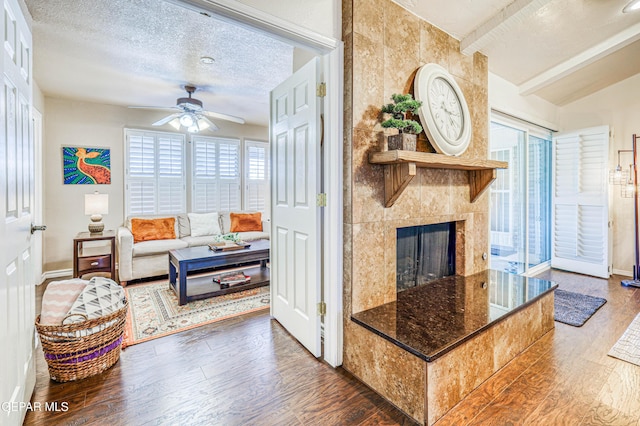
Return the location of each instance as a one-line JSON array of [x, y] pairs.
[[96, 203]]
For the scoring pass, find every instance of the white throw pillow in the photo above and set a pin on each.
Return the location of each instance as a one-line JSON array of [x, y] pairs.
[[204, 224]]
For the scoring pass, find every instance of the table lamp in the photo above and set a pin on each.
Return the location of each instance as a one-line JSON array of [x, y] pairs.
[[95, 205]]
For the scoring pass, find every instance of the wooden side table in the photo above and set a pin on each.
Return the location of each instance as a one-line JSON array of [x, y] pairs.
[[87, 260]]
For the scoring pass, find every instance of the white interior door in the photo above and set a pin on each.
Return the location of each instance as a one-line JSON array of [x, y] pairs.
[[295, 219], [17, 289], [580, 240]]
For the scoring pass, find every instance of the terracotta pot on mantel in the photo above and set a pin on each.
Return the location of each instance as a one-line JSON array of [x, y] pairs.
[[403, 141]]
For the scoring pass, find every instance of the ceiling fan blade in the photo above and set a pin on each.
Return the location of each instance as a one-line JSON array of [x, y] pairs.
[[167, 119], [223, 116], [212, 126]]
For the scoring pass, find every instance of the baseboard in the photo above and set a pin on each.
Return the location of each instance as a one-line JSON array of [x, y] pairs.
[[622, 272], [60, 273]]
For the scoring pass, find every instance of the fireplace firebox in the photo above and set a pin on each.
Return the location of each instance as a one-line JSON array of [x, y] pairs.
[[424, 253]]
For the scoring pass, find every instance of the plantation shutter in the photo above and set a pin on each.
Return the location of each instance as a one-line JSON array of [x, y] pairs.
[[205, 190], [580, 237], [256, 195], [216, 174], [155, 178], [229, 162]]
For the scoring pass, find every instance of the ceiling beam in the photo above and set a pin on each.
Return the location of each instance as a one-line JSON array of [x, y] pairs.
[[496, 26], [581, 60]]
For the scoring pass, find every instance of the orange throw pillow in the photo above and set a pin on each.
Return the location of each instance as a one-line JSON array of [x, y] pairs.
[[153, 229], [244, 222]]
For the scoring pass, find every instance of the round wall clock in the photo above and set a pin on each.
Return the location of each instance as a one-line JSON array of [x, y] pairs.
[[444, 112]]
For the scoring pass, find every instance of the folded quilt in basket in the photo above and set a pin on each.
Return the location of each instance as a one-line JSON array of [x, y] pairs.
[[100, 297], [58, 298]]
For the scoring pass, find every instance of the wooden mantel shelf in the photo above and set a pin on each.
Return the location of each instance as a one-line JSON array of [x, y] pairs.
[[401, 168]]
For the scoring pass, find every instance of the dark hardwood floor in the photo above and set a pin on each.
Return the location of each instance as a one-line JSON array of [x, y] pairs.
[[565, 378], [249, 371], [242, 371]]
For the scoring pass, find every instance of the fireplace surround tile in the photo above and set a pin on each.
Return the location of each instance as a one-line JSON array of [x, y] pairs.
[[394, 373], [435, 191], [347, 267], [480, 70], [365, 190], [401, 48], [368, 290], [460, 65], [347, 18], [485, 327], [408, 206], [371, 22], [480, 242], [368, 83], [460, 192], [434, 45]]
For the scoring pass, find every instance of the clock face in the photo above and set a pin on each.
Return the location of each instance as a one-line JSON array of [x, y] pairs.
[[446, 109], [444, 113]]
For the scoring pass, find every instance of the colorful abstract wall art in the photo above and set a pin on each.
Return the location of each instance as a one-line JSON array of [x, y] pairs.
[[86, 165]]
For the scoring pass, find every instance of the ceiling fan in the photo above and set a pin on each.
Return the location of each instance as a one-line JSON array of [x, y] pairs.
[[191, 115]]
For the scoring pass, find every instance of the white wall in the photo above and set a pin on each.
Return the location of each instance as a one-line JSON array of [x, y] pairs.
[[321, 16], [619, 107], [38, 98], [74, 123], [504, 97]]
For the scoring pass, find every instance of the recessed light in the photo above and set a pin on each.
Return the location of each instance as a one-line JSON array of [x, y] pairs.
[[632, 6], [207, 60]]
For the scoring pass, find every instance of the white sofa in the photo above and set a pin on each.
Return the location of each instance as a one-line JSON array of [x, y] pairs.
[[150, 258]]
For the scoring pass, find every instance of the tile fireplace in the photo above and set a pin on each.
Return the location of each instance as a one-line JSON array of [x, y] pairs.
[[423, 380]]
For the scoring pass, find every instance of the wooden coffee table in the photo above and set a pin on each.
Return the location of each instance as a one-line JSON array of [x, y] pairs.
[[186, 260]]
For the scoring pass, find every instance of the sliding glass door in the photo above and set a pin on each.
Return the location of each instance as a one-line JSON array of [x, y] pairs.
[[521, 196]]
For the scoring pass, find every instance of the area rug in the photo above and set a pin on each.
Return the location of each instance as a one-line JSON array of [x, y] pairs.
[[627, 348], [575, 308], [154, 310]]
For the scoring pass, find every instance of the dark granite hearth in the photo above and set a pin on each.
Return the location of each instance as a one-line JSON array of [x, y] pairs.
[[431, 320]]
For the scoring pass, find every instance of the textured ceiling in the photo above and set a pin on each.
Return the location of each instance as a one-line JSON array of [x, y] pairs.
[[143, 52], [544, 46]]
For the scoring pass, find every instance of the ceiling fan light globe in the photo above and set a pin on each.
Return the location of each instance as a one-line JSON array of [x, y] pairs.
[[202, 124], [187, 120], [175, 123], [193, 129]]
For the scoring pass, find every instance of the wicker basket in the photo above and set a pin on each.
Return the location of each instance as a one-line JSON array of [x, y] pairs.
[[76, 351]]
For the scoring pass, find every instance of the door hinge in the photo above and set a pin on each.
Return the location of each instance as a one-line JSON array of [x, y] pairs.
[[321, 200], [322, 309], [321, 90]]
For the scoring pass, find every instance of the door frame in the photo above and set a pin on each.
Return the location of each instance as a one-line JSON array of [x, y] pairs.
[[332, 51], [38, 194]]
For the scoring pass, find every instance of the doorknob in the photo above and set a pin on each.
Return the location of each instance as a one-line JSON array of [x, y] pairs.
[[35, 228]]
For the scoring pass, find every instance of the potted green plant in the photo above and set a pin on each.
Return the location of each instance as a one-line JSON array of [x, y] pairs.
[[407, 129]]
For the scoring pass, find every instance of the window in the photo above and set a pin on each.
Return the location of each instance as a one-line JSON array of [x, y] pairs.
[[256, 175], [216, 174], [501, 196], [521, 195], [155, 178], [222, 174]]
